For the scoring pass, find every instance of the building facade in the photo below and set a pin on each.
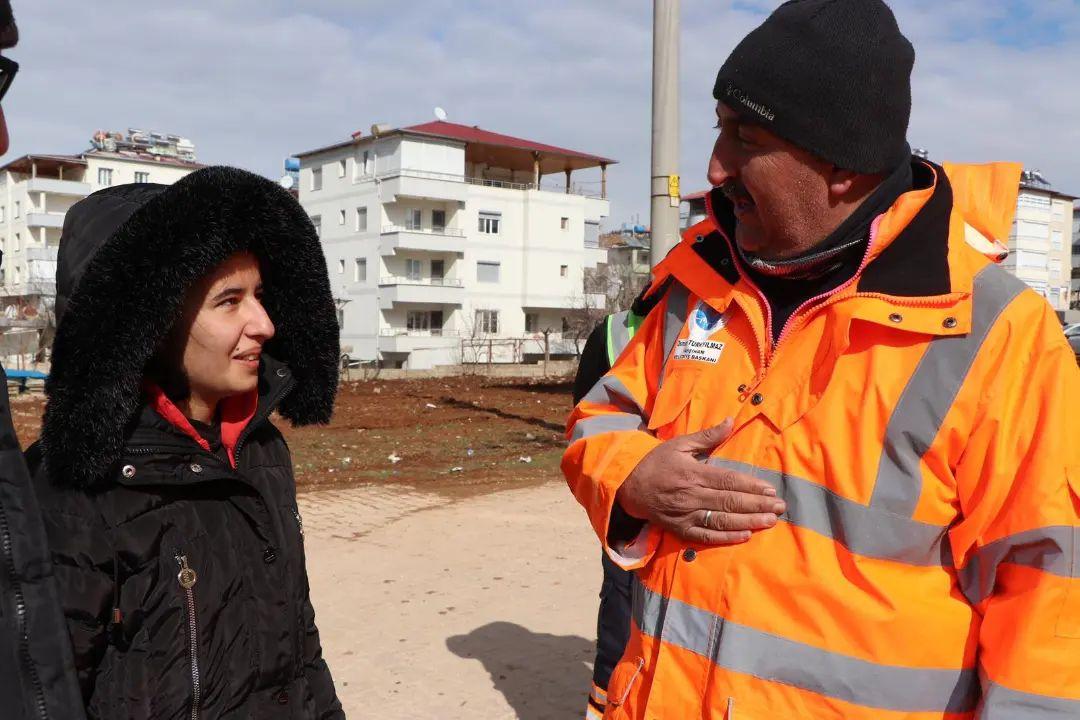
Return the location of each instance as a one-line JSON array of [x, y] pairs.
[[444, 245], [36, 191], [1040, 244]]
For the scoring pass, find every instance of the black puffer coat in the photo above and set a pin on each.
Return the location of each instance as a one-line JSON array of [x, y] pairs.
[[182, 578]]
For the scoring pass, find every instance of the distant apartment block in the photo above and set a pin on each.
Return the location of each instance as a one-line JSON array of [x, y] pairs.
[[1040, 245], [449, 243], [36, 192]]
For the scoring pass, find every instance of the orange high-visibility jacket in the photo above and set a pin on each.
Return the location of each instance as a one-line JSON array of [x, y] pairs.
[[922, 422]]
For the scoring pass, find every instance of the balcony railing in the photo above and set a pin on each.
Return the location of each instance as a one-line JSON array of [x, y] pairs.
[[433, 282], [402, 332], [575, 189], [444, 232]]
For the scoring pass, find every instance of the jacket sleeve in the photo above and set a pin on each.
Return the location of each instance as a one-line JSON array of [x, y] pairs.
[[83, 564], [316, 670], [609, 436], [1016, 549]]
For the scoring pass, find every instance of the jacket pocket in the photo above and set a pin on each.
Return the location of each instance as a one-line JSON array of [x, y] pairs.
[[673, 396], [623, 679], [1068, 622]]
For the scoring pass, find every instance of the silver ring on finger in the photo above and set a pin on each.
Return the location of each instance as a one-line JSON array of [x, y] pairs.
[[705, 522]]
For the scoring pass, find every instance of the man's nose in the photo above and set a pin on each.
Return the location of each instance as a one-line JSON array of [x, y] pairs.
[[721, 169]]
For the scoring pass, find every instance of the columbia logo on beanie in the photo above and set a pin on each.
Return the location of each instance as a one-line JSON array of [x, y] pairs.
[[738, 95], [831, 76]]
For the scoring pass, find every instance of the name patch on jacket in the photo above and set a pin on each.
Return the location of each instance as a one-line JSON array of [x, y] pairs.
[[700, 350]]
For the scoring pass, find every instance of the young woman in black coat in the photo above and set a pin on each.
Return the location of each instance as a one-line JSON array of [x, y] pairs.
[[187, 315]]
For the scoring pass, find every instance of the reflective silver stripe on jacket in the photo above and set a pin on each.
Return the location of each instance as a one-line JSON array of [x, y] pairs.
[[678, 300], [743, 649], [1055, 550], [930, 392], [861, 529], [1001, 703]]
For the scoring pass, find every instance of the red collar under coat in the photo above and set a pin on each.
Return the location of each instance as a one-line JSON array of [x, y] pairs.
[[236, 412]]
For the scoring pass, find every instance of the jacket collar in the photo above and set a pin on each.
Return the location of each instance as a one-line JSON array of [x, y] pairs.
[[917, 260], [160, 427]]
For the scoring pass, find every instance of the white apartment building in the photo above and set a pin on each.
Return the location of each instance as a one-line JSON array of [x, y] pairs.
[[1040, 247], [36, 192], [444, 244]]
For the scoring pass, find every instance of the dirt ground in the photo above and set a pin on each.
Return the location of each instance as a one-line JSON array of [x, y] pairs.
[[453, 432]]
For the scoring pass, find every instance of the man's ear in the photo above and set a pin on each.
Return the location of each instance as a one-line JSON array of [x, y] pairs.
[[841, 182]]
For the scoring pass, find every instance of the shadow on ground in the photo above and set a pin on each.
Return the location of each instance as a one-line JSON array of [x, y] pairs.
[[497, 412], [542, 677]]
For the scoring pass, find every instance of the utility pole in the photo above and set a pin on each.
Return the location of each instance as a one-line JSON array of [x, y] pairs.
[[664, 223]]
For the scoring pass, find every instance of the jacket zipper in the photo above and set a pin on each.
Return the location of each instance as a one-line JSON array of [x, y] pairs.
[[793, 318], [20, 619], [187, 578], [299, 522], [270, 405]]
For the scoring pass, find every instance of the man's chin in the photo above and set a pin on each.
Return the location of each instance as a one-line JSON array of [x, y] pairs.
[[747, 240]]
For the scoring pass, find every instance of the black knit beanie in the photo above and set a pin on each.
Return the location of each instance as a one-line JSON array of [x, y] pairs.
[[831, 76]]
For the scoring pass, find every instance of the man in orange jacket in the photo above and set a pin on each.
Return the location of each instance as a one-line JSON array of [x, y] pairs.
[[842, 455]]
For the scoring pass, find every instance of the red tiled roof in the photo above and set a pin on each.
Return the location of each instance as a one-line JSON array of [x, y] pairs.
[[699, 195], [473, 134]]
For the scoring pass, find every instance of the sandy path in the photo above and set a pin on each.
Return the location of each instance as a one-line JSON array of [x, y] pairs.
[[479, 607]]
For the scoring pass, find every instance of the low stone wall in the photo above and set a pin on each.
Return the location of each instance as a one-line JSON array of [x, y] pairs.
[[555, 368]]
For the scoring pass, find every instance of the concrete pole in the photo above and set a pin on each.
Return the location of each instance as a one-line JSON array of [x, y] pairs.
[[665, 130]]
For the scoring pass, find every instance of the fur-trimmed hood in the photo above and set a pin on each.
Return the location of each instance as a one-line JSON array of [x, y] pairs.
[[128, 255]]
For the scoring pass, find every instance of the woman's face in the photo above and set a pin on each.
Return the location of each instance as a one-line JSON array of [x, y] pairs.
[[227, 328]]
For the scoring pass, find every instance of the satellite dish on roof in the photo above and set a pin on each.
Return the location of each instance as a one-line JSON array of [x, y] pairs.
[[286, 182], [440, 114]]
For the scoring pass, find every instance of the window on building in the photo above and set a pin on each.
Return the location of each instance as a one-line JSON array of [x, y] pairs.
[[341, 317], [316, 220], [18, 243], [3, 209], [438, 220], [1055, 268], [565, 325], [1037, 202], [487, 272], [1031, 229], [360, 270], [592, 234], [414, 218], [341, 217], [563, 269], [532, 322], [104, 176], [142, 177], [361, 219], [1030, 259], [1055, 239], [18, 206], [363, 164], [1059, 209], [412, 269], [316, 179], [564, 223], [487, 322], [18, 274], [341, 167], [418, 320], [341, 267], [489, 223]]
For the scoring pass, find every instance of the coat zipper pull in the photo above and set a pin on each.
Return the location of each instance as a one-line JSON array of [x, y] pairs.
[[299, 522], [186, 576]]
